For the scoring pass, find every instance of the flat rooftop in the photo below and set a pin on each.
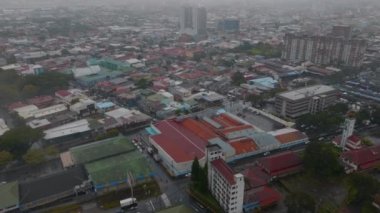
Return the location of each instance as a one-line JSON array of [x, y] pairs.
[[306, 92], [52, 185]]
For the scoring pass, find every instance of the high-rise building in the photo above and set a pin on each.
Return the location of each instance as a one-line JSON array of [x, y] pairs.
[[193, 21], [306, 100], [226, 186], [324, 50]]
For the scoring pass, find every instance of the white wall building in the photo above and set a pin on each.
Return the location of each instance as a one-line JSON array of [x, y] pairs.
[[348, 130], [226, 186]]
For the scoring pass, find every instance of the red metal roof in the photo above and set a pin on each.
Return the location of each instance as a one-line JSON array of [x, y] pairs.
[[256, 177], [243, 145], [224, 170], [291, 137], [41, 100], [199, 129], [364, 158], [62, 93], [266, 196], [354, 139], [16, 105], [280, 164], [180, 144], [229, 120]]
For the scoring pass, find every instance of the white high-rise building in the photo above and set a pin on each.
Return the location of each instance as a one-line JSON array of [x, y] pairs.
[[193, 21], [226, 186], [348, 129]]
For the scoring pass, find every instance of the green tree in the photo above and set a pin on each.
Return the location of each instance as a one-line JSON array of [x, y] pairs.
[[5, 158], [376, 116], [366, 141], [18, 140], [340, 108], [199, 177], [321, 160], [300, 202], [238, 78], [361, 188], [143, 83], [51, 151], [255, 99], [363, 115], [65, 52], [34, 157], [29, 91], [195, 171]]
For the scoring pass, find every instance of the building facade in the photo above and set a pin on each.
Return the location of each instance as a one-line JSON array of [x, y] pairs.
[[348, 130], [226, 186], [341, 31], [306, 100], [324, 50], [193, 21], [229, 25]]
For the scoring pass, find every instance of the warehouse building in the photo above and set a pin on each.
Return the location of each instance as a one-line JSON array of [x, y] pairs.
[[178, 141]]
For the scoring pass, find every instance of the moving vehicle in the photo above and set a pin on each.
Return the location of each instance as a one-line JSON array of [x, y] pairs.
[[129, 203]]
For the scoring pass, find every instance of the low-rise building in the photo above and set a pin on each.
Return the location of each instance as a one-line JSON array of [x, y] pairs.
[[280, 165], [306, 100], [362, 159], [179, 140]]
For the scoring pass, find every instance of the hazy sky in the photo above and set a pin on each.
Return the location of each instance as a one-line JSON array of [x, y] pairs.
[[50, 3]]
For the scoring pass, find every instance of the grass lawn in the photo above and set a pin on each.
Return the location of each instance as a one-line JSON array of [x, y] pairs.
[[141, 192]]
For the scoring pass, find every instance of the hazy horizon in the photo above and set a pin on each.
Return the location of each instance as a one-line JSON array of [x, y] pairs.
[[72, 3]]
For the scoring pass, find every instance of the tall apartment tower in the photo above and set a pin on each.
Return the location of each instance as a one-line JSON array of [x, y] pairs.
[[226, 186], [325, 50], [193, 21], [348, 129]]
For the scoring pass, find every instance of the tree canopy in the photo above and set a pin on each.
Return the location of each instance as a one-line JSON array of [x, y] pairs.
[[238, 78], [322, 160], [376, 116], [300, 202], [14, 87], [361, 188], [34, 157], [323, 122], [18, 140], [5, 158], [199, 177], [143, 83]]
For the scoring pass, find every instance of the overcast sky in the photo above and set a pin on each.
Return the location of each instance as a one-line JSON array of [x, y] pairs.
[[50, 3]]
